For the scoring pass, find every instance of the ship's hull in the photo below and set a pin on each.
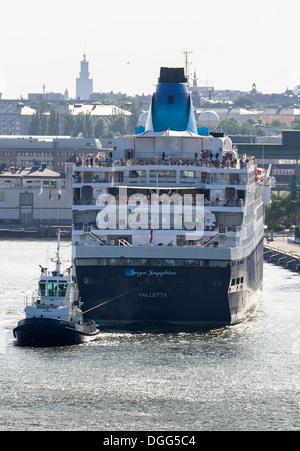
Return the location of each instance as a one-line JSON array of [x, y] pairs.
[[182, 297], [52, 332]]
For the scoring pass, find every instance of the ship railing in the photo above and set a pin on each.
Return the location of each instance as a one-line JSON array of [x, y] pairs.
[[240, 203], [156, 161], [231, 229], [92, 228], [207, 243], [30, 299], [154, 179], [123, 242], [212, 243], [102, 242], [161, 180], [226, 182]]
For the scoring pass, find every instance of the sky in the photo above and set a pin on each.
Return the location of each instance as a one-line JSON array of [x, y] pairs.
[[234, 43]]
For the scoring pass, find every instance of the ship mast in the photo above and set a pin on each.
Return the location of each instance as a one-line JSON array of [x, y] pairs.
[[187, 63], [57, 253]]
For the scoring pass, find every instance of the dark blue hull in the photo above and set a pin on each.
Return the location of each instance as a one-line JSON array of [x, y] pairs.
[[53, 332], [182, 297]]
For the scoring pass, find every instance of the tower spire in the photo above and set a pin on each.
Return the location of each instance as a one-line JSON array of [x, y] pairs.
[[84, 85]]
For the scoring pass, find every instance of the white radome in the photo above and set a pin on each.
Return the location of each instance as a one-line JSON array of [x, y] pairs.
[[143, 119], [209, 119]]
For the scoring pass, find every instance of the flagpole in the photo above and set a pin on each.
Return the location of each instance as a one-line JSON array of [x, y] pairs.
[[49, 206], [58, 200], [41, 213], [41, 206]]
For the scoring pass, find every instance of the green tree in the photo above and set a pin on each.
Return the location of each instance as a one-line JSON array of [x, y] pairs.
[[89, 126], [251, 121], [35, 125], [79, 126], [230, 126], [244, 102], [134, 118], [260, 131], [277, 123], [54, 122], [69, 124], [101, 127], [119, 125], [284, 210], [296, 124], [44, 123]]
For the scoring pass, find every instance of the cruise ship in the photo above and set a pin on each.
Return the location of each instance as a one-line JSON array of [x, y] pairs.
[[168, 231]]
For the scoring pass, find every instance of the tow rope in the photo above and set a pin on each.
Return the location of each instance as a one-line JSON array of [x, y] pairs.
[[110, 300]]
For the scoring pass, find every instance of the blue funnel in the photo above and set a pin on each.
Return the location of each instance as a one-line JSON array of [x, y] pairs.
[[171, 103]]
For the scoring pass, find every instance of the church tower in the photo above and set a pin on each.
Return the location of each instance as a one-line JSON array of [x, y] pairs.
[[84, 84]]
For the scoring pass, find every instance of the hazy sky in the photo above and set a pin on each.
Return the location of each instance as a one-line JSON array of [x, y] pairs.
[[234, 43]]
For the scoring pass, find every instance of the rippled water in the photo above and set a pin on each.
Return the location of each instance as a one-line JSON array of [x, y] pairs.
[[244, 377]]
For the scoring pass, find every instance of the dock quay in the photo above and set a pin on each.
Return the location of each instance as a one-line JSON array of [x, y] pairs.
[[283, 251], [14, 231]]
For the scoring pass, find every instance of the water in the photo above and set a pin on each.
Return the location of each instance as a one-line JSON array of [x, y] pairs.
[[244, 377]]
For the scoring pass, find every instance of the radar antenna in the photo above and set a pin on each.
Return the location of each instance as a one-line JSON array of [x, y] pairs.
[[187, 63]]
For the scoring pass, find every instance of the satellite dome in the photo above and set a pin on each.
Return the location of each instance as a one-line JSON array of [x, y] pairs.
[[210, 120], [143, 118]]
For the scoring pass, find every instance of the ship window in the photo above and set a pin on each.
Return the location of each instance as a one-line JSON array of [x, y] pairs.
[[170, 99], [52, 288], [62, 289], [238, 281], [43, 288], [187, 174], [233, 282], [192, 262]]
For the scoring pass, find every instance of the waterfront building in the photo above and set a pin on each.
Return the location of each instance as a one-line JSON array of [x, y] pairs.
[[36, 196], [52, 151], [286, 115], [97, 110], [15, 118], [47, 96], [240, 114], [283, 154]]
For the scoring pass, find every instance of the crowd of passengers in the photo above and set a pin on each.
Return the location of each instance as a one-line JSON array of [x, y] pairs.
[[211, 162], [215, 202]]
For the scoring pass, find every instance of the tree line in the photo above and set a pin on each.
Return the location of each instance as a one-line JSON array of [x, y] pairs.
[[232, 126], [45, 123], [283, 212]]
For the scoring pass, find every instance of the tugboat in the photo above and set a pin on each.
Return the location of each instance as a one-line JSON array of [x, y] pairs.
[[53, 312]]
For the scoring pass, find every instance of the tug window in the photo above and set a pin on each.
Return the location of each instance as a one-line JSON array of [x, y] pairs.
[[43, 288], [52, 288], [62, 289]]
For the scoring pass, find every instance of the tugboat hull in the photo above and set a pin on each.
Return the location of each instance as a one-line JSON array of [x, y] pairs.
[[52, 332]]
